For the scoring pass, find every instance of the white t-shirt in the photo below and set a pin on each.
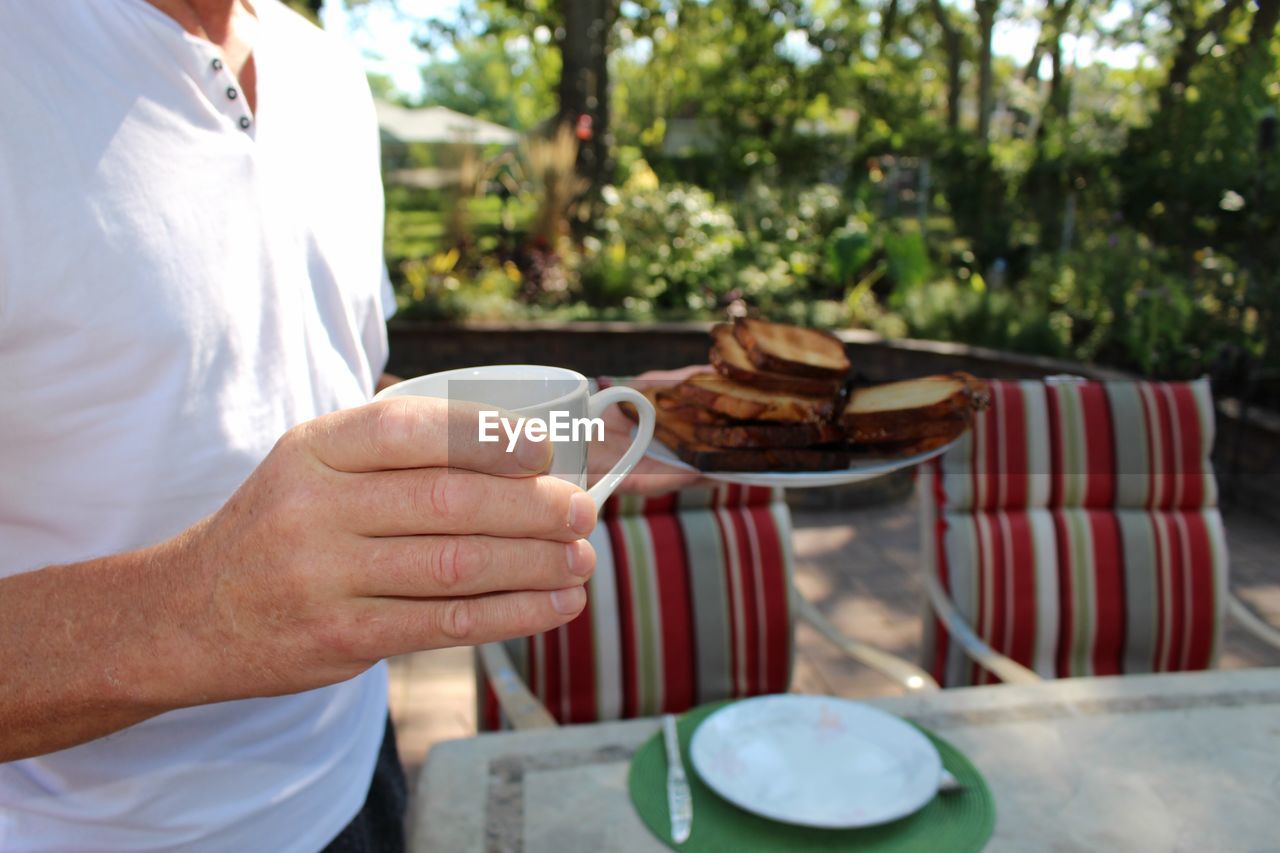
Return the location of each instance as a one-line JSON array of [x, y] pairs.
[[179, 284]]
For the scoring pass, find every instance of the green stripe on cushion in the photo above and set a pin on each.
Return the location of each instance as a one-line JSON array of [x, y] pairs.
[[648, 624], [710, 595]]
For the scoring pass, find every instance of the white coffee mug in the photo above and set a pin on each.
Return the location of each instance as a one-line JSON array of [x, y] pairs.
[[552, 395]]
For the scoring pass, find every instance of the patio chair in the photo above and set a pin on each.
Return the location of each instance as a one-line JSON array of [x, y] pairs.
[[692, 601], [1075, 531]]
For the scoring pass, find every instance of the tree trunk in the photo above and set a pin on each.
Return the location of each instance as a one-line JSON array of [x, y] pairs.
[[953, 45], [986, 23], [1187, 55], [584, 83], [888, 25], [1058, 104], [1264, 23]]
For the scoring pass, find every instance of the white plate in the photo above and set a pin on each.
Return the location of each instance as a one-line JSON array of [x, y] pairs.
[[816, 761], [859, 470]]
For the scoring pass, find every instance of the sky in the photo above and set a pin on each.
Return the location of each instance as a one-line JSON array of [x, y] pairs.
[[385, 38]]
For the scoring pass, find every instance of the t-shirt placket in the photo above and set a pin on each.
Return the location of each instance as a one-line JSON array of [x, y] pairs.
[[227, 96]]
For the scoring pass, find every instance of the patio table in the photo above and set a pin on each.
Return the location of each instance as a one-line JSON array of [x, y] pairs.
[[1185, 761]]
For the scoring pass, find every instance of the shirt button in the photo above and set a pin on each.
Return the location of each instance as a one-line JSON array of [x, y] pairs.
[[217, 64], [232, 93], [244, 122]]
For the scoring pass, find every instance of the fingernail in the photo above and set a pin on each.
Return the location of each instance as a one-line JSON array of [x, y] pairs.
[[533, 455], [581, 558], [568, 601], [582, 513]]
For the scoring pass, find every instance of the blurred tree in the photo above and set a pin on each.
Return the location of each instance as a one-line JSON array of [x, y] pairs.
[[954, 43], [501, 79]]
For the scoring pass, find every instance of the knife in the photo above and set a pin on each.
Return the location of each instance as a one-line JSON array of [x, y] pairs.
[[679, 799]]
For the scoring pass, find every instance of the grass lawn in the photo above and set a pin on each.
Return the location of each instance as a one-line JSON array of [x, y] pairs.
[[418, 231]]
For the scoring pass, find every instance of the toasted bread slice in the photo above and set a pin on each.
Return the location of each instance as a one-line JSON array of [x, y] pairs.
[[900, 449], [871, 431], [715, 430], [900, 405], [666, 399], [767, 435], [731, 361], [792, 350], [744, 403], [681, 437]]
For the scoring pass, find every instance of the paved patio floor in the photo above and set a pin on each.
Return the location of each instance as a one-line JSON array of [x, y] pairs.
[[860, 568]]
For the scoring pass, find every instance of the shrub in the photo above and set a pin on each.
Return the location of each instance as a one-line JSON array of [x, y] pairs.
[[660, 250]]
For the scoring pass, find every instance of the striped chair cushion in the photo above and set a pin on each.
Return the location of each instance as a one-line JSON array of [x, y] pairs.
[[689, 603], [1074, 592], [1076, 530], [1141, 445]]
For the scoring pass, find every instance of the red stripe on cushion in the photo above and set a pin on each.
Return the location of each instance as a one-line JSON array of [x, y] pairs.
[[1190, 470], [990, 475], [1015, 462], [626, 618], [941, 641], [753, 624], [1178, 586], [671, 572], [1022, 578], [1109, 594], [1169, 448], [1057, 447], [773, 575], [1203, 594], [662, 504], [1066, 593], [532, 672], [580, 667], [1099, 442], [490, 712]]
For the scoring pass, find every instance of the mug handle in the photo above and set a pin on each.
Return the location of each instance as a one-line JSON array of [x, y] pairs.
[[597, 403]]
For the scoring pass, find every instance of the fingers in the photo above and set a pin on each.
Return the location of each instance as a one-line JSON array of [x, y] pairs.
[[421, 432], [449, 502], [409, 625], [455, 566]]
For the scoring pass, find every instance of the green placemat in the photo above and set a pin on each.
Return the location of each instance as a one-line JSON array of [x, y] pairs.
[[957, 821]]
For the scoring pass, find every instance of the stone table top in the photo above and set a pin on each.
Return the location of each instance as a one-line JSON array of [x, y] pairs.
[[1187, 761]]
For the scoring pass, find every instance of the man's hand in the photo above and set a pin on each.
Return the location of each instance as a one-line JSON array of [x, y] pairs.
[[649, 477], [386, 529], [364, 534]]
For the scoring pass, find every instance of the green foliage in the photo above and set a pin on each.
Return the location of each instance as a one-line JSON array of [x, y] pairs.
[[660, 250], [436, 289], [948, 310], [1124, 216], [494, 79]]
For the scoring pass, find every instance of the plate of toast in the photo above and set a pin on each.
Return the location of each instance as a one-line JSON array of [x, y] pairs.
[[776, 407]]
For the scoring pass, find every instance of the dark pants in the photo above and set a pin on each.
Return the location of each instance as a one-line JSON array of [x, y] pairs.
[[379, 827]]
